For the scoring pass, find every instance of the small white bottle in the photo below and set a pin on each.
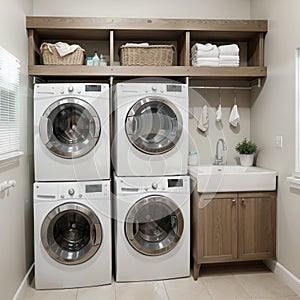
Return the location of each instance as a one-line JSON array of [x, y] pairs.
[[89, 61], [96, 59], [102, 61], [193, 158]]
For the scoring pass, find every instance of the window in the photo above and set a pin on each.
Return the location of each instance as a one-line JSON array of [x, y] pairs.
[[9, 107], [295, 180]]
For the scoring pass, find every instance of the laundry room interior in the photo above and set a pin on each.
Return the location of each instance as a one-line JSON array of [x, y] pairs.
[[149, 150]]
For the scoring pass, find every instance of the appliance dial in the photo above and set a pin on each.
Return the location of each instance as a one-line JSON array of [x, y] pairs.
[[70, 88], [154, 186], [154, 88], [71, 192]]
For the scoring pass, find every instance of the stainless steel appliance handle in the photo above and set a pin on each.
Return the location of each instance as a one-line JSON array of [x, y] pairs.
[[45, 128], [130, 125]]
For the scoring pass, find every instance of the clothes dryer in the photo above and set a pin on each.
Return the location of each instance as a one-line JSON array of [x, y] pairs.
[[151, 129], [152, 227], [72, 231], [71, 132]]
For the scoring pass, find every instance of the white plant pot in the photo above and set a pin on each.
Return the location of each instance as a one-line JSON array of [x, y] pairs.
[[246, 160]]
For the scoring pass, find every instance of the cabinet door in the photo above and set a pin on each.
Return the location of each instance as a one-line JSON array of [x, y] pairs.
[[217, 227], [257, 228]]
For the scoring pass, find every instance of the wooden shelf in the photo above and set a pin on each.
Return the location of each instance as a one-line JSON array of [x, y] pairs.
[[107, 34], [173, 71]]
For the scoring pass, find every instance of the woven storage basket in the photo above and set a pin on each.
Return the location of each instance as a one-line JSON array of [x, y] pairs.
[[53, 58], [156, 55]]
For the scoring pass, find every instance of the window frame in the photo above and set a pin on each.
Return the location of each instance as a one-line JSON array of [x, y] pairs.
[[9, 86]]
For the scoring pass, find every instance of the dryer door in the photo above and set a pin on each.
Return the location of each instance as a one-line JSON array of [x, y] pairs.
[[70, 128], [154, 225], [71, 233], [153, 125]]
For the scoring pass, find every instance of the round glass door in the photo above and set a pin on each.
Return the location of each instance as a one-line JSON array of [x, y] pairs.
[[70, 128], [153, 125], [154, 225], [71, 233]]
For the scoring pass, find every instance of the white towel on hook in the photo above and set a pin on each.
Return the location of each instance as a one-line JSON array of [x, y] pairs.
[[234, 117], [203, 119], [219, 113]]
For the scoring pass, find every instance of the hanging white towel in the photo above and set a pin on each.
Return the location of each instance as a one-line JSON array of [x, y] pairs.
[[219, 113], [203, 119], [234, 117]]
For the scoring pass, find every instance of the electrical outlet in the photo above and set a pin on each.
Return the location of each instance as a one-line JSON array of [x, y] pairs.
[[278, 141]]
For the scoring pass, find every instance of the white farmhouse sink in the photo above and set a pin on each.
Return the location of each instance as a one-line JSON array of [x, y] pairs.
[[230, 178]]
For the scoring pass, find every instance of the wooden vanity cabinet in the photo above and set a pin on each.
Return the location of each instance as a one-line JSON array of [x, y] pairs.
[[228, 227]]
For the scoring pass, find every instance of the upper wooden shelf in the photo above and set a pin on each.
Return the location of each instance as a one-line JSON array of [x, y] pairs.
[[107, 34]]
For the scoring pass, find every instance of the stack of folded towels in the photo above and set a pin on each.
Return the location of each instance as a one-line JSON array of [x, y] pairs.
[[213, 56], [229, 55], [205, 55]]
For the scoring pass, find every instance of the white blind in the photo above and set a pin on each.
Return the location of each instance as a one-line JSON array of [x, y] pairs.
[[9, 103]]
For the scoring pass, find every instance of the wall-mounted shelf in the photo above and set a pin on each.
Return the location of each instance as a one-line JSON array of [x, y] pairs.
[[107, 34]]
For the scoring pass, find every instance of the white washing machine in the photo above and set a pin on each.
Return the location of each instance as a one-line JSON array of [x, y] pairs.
[[151, 129], [71, 132], [152, 227], [72, 231]]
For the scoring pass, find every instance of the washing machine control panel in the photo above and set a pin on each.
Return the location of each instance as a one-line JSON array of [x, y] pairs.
[[132, 185], [87, 191]]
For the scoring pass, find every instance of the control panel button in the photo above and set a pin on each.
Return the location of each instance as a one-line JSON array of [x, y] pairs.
[[70, 88], [154, 88]]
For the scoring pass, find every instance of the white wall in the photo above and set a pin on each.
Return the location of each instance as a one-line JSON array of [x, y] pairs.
[[272, 114], [16, 207], [205, 143], [197, 9]]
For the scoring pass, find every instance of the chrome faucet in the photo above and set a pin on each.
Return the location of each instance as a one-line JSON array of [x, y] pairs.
[[219, 160]]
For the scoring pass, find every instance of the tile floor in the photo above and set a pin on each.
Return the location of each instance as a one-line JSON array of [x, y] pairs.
[[216, 282]]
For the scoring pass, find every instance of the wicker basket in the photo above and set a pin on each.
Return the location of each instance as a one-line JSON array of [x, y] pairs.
[[53, 58], [156, 55]]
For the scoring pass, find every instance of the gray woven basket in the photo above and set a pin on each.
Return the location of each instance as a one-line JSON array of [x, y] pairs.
[[156, 55], [53, 58]]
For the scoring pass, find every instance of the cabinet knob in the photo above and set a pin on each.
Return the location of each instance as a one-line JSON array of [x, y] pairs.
[[233, 200], [243, 201]]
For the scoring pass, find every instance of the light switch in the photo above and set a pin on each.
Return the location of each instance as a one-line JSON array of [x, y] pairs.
[[278, 141]]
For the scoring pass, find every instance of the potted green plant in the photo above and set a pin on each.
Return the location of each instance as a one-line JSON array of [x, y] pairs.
[[246, 149]]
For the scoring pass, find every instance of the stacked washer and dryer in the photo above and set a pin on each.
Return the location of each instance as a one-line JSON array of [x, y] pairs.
[[151, 188], [72, 206]]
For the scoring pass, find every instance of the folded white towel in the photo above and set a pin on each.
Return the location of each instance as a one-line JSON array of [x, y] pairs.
[[234, 117], [213, 53], [229, 57], [136, 45], [213, 62], [64, 49], [202, 47], [203, 119], [212, 59], [205, 63], [219, 113], [229, 64], [232, 49]]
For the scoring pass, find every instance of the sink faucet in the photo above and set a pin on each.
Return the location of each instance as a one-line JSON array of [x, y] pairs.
[[219, 160]]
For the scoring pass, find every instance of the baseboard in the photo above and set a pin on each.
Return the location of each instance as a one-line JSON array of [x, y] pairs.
[[20, 293], [284, 274]]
